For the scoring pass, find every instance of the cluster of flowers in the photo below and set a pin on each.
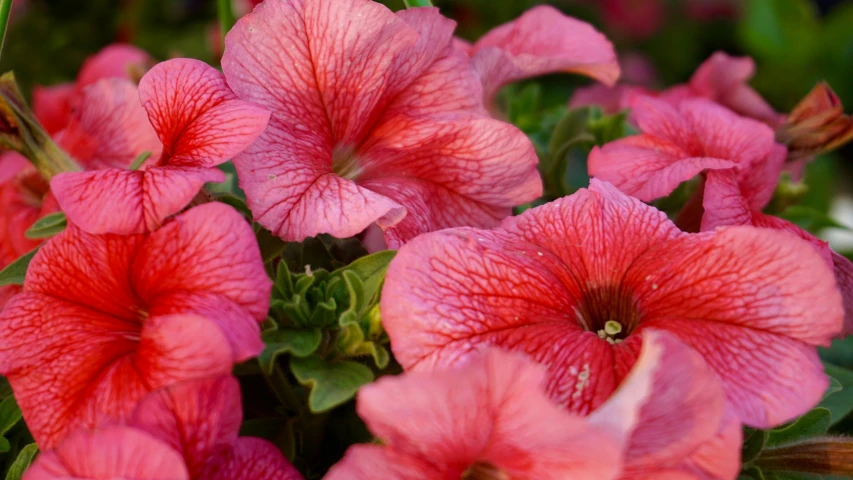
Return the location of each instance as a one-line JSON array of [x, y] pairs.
[[590, 337]]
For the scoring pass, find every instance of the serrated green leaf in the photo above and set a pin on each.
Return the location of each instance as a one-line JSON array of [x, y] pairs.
[[297, 342], [838, 402], [10, 415], [22, 462], [753, 443], [47, 226], [16, 272], [331, 383], [815, 422]]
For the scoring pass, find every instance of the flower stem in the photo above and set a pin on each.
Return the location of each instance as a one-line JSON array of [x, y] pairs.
[[417, 3], [5, 10], [226, 16]]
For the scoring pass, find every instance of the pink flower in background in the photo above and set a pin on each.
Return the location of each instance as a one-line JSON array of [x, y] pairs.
[[200, 124], [24, 198], [487, 418], [103, 319], [575, 282], [541, 41], [633, 18], [53, 105], [376, 117], [680, 428], [184, 432]]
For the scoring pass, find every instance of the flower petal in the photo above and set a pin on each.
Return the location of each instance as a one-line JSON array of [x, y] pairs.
[[542, 40], [257, 459], [113, 61], [490, 410], [128, 201], [361, 462], [844, 277], [670, 405], [108, 126], [114, 452], [200, 121], [52, 106]]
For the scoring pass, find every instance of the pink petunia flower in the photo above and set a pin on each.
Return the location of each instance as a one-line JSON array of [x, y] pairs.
[[53, 105], [542, 41], [487, 418], [575, 282], [489, 415], [200, 123], [103, 319], [376, 117], [24, 198], [184, 432]]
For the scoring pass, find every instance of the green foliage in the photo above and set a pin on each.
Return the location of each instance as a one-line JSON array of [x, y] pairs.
[[24, 459], [10, 415], [16, 272], [813, 423], [47, 226], [332, 383]]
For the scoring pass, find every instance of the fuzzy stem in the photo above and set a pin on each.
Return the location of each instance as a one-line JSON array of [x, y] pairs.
[[5, 11]]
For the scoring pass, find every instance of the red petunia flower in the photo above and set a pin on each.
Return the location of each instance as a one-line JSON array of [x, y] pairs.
[[53, 106], [376, 117], [184, 432], [200, 123], [103, 319], [575, 282], [541, 41]]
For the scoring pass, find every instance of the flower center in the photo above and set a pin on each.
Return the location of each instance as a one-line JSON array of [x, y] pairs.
[[484, 471], [345, 163], [608, 311]]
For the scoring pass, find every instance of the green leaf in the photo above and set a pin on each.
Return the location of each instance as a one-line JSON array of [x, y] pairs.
[[139, 160], [815, 422], [270, 244], [16, 272], [753, 443], [47, 226], [331, 383], [838, 402], [810, 219], [371, 270], [25, 458], [297, 342], [10, 415], [236, 202], [751, 473]]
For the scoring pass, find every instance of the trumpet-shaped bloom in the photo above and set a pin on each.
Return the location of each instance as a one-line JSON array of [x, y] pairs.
[[575, 282], [53, 106], [541, 41], [680, 429], [184, 432], [103, 319], [24, 198], [677, 143], [486, 419], [200, 124], [376, 117]]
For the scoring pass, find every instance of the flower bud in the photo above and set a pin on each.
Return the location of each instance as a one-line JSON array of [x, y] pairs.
[[816, 125]]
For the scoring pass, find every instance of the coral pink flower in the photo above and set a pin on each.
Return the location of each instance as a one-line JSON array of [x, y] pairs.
[[376, 117], [541, 41], [103, 319], [24, 198], [575, 282], [486, 419], [53, 105], [677, 143], [200, 123], [680, 429], [184, 432], [723, 79]]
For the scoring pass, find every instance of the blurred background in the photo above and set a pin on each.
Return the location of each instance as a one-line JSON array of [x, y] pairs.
[[795, 44]]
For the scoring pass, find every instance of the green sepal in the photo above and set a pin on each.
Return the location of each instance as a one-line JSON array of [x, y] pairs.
[[16, 272], [753, 444], [297, 342], [47, 226], [331, 383], [815, 422], [22, 462], [838, 398]]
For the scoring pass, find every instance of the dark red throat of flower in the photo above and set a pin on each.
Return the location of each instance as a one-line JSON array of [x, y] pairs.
[[484, 471], [608, 311]]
